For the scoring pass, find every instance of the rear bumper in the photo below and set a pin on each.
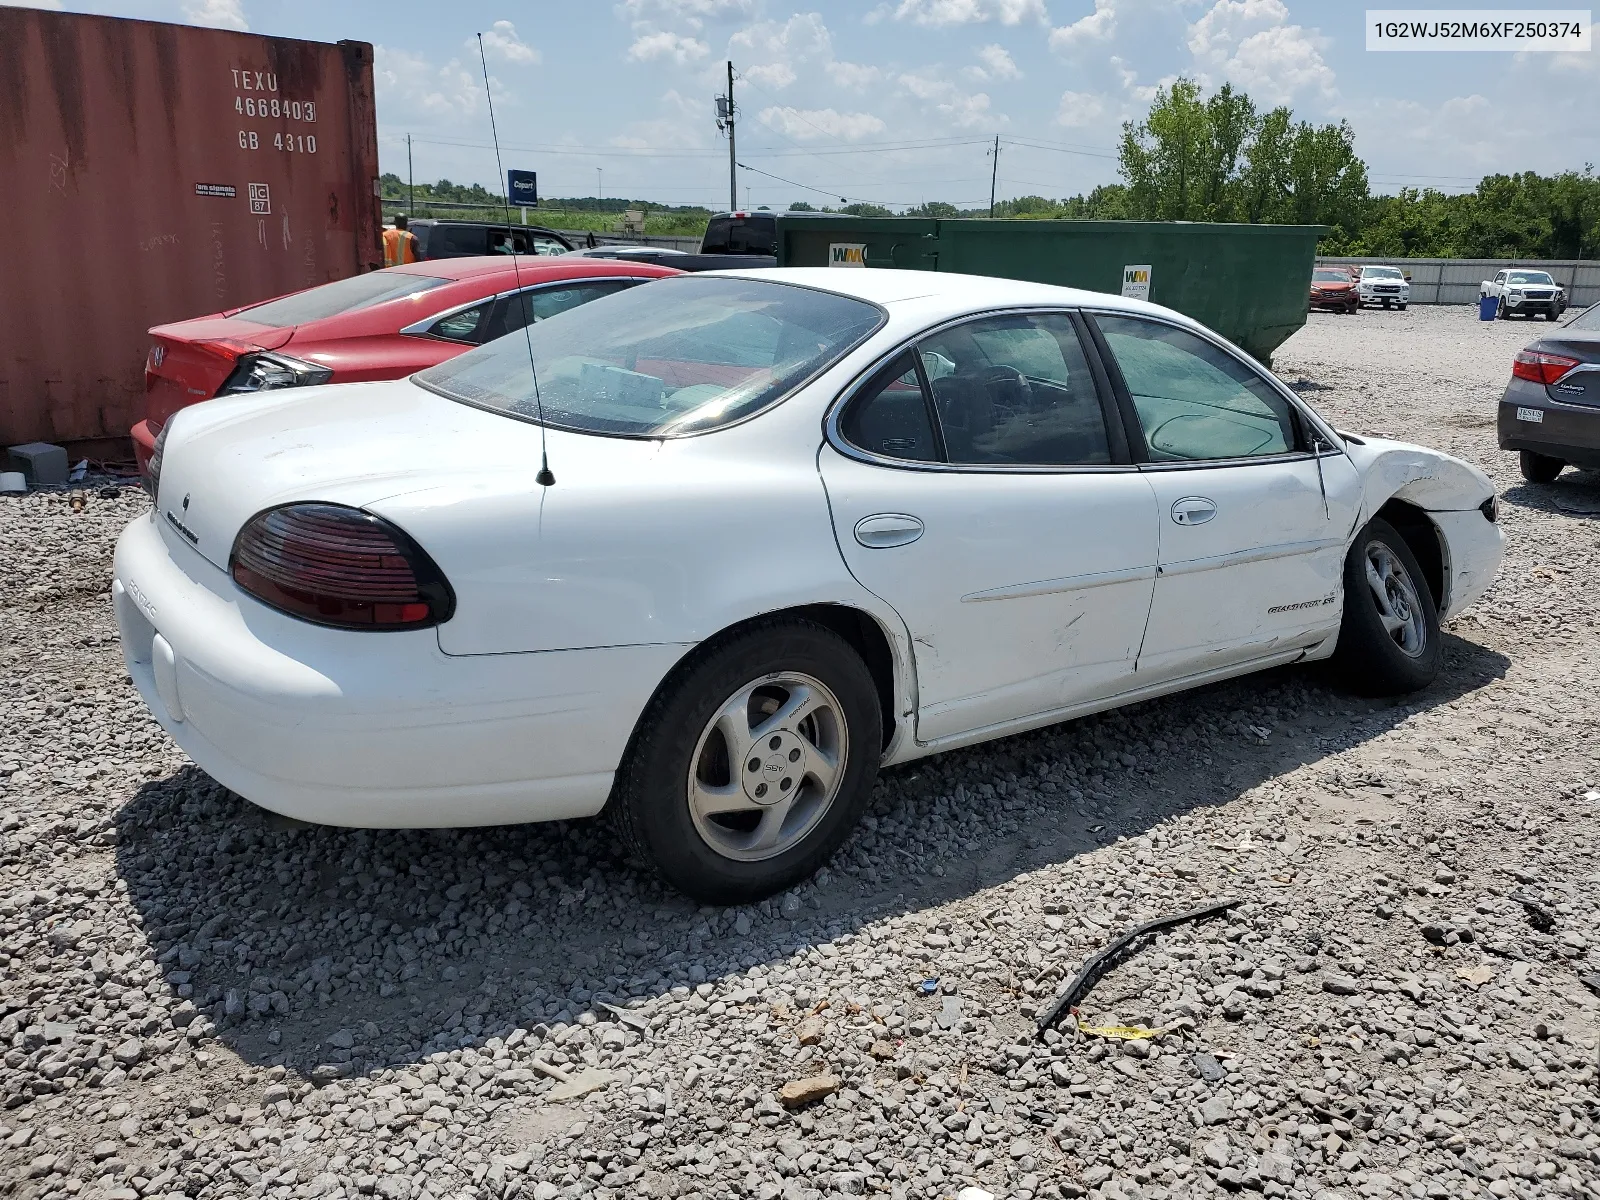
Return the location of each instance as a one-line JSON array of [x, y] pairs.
[[376, 730], [144, 444], [1570, 432]]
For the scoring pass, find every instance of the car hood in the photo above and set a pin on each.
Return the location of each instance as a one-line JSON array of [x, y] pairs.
[[355, 443], [1331, 286]]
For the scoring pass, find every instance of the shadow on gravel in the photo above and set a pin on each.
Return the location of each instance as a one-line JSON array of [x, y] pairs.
[[1574, 493], [335, 951]]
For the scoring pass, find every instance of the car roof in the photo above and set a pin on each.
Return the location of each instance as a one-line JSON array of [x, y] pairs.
[[961, 292], [528, 265]]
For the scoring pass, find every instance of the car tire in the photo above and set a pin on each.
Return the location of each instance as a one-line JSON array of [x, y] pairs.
[[681, 801], [1390, 646], [1401, 307], [1500, 310], [1540, 468], [1385, 306], [1552, 313]]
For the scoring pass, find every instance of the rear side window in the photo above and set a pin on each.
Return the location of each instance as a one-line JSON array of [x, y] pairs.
[[741, 235], [541, 304], [1195, 401], [890, 417], [335, 299]]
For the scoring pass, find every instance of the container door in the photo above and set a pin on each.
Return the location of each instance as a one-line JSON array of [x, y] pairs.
[[1252, 525], [975, 489]]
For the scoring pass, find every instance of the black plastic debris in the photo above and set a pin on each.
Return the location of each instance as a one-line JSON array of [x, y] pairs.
[[1090, 973]]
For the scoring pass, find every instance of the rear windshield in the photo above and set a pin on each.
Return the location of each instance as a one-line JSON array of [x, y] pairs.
[[1589, 318], [673, 357], [332, 299], [741, 235]]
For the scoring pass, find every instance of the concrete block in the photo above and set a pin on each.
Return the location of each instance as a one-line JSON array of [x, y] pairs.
[[43, 464]]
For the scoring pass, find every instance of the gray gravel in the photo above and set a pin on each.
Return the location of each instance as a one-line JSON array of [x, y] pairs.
[[203, 1000]]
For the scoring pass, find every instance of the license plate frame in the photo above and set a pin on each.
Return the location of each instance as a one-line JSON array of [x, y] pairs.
[[1534, 416]]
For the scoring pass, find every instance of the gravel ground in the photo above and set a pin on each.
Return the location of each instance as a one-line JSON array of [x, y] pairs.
[[204, 1000]]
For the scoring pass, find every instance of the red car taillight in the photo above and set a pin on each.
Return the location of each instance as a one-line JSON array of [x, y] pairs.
[[1539, 367], [339, 566]]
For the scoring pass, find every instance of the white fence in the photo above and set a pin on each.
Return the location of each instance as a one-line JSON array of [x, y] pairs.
[[1456, 280]]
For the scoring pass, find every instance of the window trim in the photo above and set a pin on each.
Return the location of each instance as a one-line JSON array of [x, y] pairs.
[[1307, 423], [834, 437], [424, 327]]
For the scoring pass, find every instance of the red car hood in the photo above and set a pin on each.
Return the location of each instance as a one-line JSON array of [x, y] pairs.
[[191, 360]]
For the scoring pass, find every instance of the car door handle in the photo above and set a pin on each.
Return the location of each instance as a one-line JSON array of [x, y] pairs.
[[1193, 510], [882, 531]]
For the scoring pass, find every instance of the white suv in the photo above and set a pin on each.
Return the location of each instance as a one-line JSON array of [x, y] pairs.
[[1383, 285]]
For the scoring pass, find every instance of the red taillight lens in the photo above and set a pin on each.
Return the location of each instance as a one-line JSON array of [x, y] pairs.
[[339, 566], [1539, 367]]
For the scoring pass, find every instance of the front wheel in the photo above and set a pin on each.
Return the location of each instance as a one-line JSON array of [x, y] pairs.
[[1402, 307], [1389, 641], [1500, 310], [1552, 313], [1540, 468], [752, 764]]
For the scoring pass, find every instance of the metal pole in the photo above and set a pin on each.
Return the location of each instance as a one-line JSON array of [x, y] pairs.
[[994, 174], [733, 175], [411, 175], [600, 183]]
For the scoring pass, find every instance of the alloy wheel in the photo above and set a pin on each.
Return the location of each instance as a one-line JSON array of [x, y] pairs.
[[1395, 596], [767, 766]]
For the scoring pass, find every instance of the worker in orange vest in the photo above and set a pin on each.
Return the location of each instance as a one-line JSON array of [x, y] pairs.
[[399, 243]]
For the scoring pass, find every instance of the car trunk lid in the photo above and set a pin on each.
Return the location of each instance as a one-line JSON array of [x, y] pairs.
[[190, 361]]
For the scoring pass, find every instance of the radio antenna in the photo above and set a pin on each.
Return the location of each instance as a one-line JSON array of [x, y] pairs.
[[544, 478]]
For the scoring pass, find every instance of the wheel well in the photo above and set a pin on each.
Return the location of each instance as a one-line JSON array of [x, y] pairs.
[[861, 631], [1422, 538]]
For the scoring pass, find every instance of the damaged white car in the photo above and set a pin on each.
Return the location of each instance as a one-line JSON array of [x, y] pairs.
[[797, 525]]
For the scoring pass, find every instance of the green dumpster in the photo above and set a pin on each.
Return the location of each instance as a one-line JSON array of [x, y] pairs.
[[1250, 283]]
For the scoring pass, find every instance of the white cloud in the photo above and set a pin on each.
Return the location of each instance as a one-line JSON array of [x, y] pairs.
[[1080, 109], [854, 76], [409, 86], [52, 5], [1250, 43], [502, 42], [942, 97], [219, 14], [1098, 26], [676, 47], [692, 13], [802, 36], [683, 124], [807, 124], [771, 75], [971, 12], [997, 63]]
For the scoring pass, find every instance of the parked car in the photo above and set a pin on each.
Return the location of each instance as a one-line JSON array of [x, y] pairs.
[[636, 253], [1550, 413], [803, 523], [382, 325], [1519, 290], [1334, 289], [438, 238], [1383, 285]]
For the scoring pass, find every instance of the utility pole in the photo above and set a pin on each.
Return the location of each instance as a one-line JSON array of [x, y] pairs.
[[600, 182], [994, 174], [725, 113], [411, 175]]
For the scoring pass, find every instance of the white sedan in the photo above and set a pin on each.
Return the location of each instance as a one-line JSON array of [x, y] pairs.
[[798, 525]]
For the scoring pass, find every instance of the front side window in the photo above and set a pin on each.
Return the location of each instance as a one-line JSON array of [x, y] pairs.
[[1195, 401], [686, 355], [1015, 390]]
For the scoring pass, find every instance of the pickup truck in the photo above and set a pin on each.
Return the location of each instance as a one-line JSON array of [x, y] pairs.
[[1519, 290], [1383, 285]]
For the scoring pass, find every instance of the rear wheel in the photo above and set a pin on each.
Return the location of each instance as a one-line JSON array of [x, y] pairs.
[[1389, 640], [752, 764], [1540, 468]]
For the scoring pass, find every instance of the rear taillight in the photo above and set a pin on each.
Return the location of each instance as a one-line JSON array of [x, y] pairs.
[[1538, 367], [339, 566], [152, 473], [263, 372]]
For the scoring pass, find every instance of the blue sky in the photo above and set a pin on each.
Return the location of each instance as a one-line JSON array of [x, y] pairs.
[[832, 93]]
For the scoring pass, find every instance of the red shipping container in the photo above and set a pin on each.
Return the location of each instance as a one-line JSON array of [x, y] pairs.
[[157, 172]]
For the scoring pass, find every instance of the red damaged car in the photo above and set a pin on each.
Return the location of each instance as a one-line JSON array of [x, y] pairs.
[[1334, 288], [381, 325]]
